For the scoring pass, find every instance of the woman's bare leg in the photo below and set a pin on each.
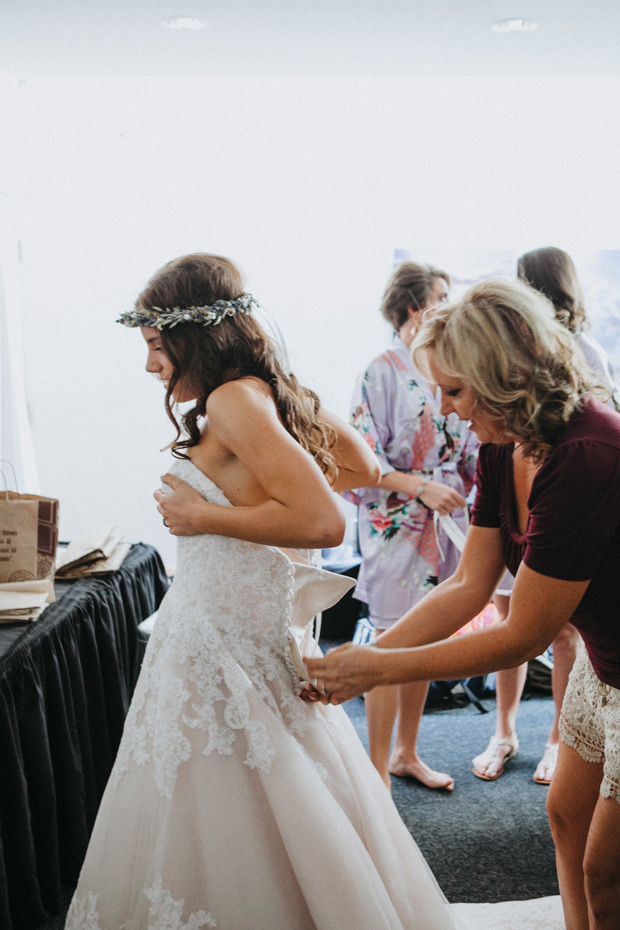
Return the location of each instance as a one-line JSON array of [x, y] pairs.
[[405, 761], [380, 716], [380, 704], [565, 647], [509, 684], [602, 866], [573, 797]]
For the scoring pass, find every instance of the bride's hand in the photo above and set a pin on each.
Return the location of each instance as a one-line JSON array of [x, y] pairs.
[[182, 507]]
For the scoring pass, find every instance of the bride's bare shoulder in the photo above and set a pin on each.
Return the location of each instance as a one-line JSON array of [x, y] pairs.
[[242, 388], [240, 401]]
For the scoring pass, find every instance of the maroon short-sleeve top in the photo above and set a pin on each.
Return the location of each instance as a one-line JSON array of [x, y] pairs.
[[573, 528]]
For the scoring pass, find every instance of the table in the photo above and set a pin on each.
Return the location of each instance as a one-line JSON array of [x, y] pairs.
[[66, 681]]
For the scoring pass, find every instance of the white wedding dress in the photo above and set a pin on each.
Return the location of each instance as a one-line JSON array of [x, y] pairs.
[[232, 803]]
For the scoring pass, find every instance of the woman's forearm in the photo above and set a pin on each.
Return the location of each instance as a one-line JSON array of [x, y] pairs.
[[311, 520], [539, 608], [402, 482], [351, 670], [439, 614], [271, 523], [472, 654], [458, 599], [433, 494]]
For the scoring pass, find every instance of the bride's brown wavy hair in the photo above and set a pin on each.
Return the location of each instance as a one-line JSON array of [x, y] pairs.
[[204, 357]]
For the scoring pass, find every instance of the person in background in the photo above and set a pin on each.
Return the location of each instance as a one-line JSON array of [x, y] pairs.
[[547, 508], [552, 272], [427, 463]]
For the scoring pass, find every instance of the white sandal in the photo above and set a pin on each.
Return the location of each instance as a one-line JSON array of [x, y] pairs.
[[549, 757], [491, 753]]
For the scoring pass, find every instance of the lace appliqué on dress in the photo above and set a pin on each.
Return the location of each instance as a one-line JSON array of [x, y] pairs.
[[211, 657], [590, 722], [166, 913], [83, 913], [209, 695]]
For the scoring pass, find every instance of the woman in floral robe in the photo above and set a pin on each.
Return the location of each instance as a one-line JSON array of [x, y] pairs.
[[428, 463]]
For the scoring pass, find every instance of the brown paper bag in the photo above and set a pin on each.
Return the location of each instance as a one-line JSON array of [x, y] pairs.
[[28, 536]]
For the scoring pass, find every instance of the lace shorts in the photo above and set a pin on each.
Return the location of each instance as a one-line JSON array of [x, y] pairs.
[[590, 722]]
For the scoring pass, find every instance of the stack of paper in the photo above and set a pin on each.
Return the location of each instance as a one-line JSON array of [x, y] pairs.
[[98, 554], [21, 601]]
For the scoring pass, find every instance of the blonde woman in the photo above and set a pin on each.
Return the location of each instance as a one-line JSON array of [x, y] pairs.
[[548, 508], [552, 272]]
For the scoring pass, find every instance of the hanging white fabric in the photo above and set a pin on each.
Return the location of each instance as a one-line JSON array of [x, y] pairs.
[[453, 531], [16, 444]]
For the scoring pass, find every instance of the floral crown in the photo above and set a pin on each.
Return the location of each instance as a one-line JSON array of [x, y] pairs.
[[210, 315]]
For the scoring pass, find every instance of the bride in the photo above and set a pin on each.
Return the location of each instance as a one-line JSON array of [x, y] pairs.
[[232, 803]]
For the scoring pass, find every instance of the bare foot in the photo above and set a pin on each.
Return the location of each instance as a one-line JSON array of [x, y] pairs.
[[415, 768], [489, 765], [546, 766]]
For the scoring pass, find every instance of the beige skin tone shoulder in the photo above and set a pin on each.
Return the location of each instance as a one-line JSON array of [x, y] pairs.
[[278, 492]]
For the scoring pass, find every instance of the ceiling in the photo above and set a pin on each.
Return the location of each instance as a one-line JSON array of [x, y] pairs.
[[574, 38]]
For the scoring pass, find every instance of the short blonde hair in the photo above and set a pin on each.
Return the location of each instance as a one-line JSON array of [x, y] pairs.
[[524, 367]]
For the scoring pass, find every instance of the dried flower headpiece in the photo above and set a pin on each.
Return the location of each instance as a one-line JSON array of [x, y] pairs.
[[211, 315]]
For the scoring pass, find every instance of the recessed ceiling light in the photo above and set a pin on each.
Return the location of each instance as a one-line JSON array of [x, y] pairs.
[[515, 25], [183, 22]]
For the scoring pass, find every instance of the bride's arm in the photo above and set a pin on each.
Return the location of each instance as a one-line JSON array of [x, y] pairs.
[[358, 466], [300, 509]]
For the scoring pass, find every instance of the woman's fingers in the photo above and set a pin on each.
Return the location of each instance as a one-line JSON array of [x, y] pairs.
[[179, 506], [442, 498], [345, 672]]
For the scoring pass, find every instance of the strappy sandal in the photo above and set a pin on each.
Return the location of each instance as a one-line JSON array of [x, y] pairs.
[[491, 752], [549, 758]]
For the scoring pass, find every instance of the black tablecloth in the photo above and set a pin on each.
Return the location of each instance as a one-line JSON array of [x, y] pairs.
[[65, 686]]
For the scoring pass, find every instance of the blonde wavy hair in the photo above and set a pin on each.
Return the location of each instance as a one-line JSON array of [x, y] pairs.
[[525, 369]]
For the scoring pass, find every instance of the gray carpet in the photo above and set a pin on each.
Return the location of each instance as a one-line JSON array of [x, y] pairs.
[[485, 841]]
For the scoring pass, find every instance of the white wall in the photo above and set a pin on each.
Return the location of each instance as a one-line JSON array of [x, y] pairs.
[[309, 184]]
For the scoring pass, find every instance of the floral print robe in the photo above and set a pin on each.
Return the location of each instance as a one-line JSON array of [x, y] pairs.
[[399, 416]]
